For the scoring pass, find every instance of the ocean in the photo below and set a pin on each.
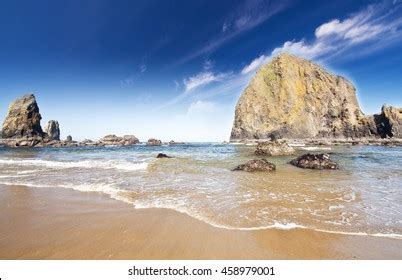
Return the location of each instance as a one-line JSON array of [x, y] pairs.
[[364, 197]]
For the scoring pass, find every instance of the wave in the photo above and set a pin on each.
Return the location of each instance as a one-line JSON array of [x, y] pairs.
[[315, 148], [118, 194], [103, 164]]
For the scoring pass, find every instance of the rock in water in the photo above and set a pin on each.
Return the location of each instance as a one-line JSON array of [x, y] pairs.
[[52, 130], [23, 119], [160, 155], [113, 140], [154, 142], [318, 161], [256, 165], [293, 98], [274, 148]]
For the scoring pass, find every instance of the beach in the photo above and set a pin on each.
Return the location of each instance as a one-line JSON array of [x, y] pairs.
[[54, 223]]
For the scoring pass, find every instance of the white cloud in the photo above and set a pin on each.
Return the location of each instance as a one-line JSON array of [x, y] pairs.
[[143, 68], [225, 26], [127, 82], [370, 29], [202, 79], [176, 84], [201, 107], [208, 64], [255, 64]]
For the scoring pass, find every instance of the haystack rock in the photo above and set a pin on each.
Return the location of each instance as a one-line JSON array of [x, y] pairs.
[[23, 119], [52, 130], [293, 98]]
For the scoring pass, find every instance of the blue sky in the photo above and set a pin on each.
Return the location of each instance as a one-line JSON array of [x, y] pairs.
[[175, 69]]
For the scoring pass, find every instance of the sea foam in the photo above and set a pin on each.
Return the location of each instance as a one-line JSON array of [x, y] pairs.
[[102, 164]]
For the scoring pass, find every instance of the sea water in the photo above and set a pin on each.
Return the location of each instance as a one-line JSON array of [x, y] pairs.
[[364, 197]]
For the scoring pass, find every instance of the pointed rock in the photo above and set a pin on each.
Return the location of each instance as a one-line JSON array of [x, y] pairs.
[[23, 119]]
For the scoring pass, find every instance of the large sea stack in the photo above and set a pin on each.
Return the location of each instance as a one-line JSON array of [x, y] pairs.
[[23, 119], [294, 98]]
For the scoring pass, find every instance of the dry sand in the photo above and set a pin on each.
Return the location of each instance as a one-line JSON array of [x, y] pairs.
[[53, 223]]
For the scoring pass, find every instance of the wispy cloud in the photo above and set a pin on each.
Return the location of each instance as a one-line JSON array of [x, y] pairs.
[[128, 82], [143, 68], [255, 64], [245, 17], [208, 64], [374, 27], [202, 79]]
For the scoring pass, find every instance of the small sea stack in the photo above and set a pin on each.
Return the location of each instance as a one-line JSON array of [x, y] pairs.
[[315, 161]]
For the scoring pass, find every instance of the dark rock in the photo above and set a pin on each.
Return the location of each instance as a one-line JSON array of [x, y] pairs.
[[160, 155], [23, 119], [256, 165], [52, 130], [69, 138], [315, 161]]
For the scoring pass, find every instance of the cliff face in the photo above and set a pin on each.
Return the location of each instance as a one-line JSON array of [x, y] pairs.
[[291, 97], [23, 119]]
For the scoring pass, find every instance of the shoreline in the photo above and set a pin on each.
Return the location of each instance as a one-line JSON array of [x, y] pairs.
[[55, 223]]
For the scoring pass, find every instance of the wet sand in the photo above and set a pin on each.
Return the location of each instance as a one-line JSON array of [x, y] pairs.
[[54, 223]]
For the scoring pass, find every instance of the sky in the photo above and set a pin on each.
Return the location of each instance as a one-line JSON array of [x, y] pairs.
[[175, 69]]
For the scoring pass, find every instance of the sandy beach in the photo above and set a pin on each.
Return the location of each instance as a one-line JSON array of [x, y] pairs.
[[50, 223]]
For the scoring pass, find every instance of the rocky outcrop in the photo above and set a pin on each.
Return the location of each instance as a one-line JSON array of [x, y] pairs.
[[69, 138], [318, 161], [274, 148], [389, 122], [256, 165], [113, 140], [23, 119], [154, 142], [293, 98], [52, 130]]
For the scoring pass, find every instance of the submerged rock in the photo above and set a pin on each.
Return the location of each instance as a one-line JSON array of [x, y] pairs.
[[274, 148], [315, 161], [23, 119], [175, 143], [154, 142], [256, 165], [160, 155], [53, 130]]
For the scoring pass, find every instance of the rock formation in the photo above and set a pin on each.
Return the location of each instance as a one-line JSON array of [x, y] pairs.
[[52, 130], [256, 165], [154, 142], [69, 138], [293, 98], [318, 161], [23, 119], [113, 140], [274, 148]]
